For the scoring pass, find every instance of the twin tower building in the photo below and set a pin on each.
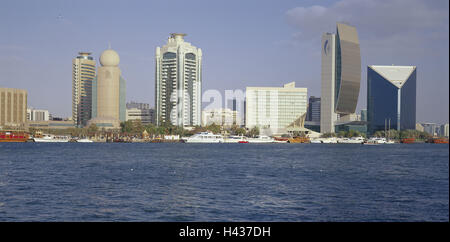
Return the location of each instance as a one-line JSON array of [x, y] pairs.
[[99, 97]]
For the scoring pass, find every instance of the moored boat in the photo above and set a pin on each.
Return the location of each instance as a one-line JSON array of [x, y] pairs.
[[13, 136], [51, 138], [261, 139], [204, 137], [299, 139], [438, 140], [408, 140]]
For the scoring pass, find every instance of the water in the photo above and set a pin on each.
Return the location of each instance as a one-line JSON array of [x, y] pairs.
[[223, 182]]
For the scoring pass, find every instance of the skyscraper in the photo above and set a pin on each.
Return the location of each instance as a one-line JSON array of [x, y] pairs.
[[83, 72], [341, 75], [391, 95], [178, 82], [108, 105], [313, 113]]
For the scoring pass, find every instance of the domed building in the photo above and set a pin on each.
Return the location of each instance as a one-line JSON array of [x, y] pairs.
[[108, 93]]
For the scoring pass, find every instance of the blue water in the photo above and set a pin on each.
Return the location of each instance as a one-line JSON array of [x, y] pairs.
[[223, 182]]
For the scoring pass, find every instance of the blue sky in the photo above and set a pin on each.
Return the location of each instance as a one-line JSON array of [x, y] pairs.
[[244, 43]]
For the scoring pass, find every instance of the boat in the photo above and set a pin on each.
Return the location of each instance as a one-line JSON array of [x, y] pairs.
[[51, 138], [299, 139], [371, 142], [438, 140], [408, 140], [315, 141], [261, 139], [204, 137], [378, 140], [13, 136], [281, 140], [235, 139], [353, 140], [332, 140], [243, 142], [389, 142], [85, 140]]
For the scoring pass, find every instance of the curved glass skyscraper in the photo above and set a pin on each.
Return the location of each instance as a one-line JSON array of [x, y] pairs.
[[341, 75]]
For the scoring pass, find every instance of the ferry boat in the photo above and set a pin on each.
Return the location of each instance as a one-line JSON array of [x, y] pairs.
[[235, 139], [13, 136], [281, 140], [51, 138], [377, 140], [353, 140], [261, 139], [204, 137]]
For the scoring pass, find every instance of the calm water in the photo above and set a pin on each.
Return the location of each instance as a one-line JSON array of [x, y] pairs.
[[223, 182]]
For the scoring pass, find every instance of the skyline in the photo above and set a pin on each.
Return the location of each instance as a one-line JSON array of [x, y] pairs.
[[243, 45]]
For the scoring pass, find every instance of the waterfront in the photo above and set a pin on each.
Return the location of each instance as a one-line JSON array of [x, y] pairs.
[[223, 182]]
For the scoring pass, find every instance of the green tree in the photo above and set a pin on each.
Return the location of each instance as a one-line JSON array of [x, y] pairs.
[[253, 132]]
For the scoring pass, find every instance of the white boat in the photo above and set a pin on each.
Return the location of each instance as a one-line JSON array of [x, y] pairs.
[[204, 137], [51, 138], [390, 142], [234, 139], [377, 140], [353, 140], [261, 139], [332, 140], [316, 141], [84, 140]]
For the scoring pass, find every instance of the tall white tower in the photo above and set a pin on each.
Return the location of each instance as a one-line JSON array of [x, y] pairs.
[[178, 82]]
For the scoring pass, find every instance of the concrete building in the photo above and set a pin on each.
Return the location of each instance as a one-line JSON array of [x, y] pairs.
[[13, 107], [83, 73], [37, 115], [273, 109], [51, 124], [419, 127], [313, 113], [431, 128], [341, 75], [178, 84], [391, 95], [220, 116], [140, 111], [108, 99], [444, 130]]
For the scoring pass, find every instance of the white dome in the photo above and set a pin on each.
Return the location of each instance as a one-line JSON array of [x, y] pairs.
[[109, 58]]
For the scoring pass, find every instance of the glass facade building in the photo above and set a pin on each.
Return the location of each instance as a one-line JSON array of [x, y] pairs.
[[391, 97], [341, 75]]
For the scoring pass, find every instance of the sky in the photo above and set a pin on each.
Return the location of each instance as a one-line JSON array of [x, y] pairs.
[[244, 43]]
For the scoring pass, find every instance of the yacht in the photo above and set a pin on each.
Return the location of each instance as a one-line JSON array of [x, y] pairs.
[[315, 141], [204, 137], [377, 140], [235, 139], [353, 140], [51, 138], [261, 139]]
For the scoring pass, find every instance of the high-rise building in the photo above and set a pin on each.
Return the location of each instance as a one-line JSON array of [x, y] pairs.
[[391, 97], [444, 130], [341, 75], [313, 113], [108, 93], [431, 128], [13, 107], [273, 109], [83, 73], [178, 83]]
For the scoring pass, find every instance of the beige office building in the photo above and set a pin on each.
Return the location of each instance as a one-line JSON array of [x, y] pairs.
[[83, 72], [13, 107], [108, 91], [273, 109], [220, 116]]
